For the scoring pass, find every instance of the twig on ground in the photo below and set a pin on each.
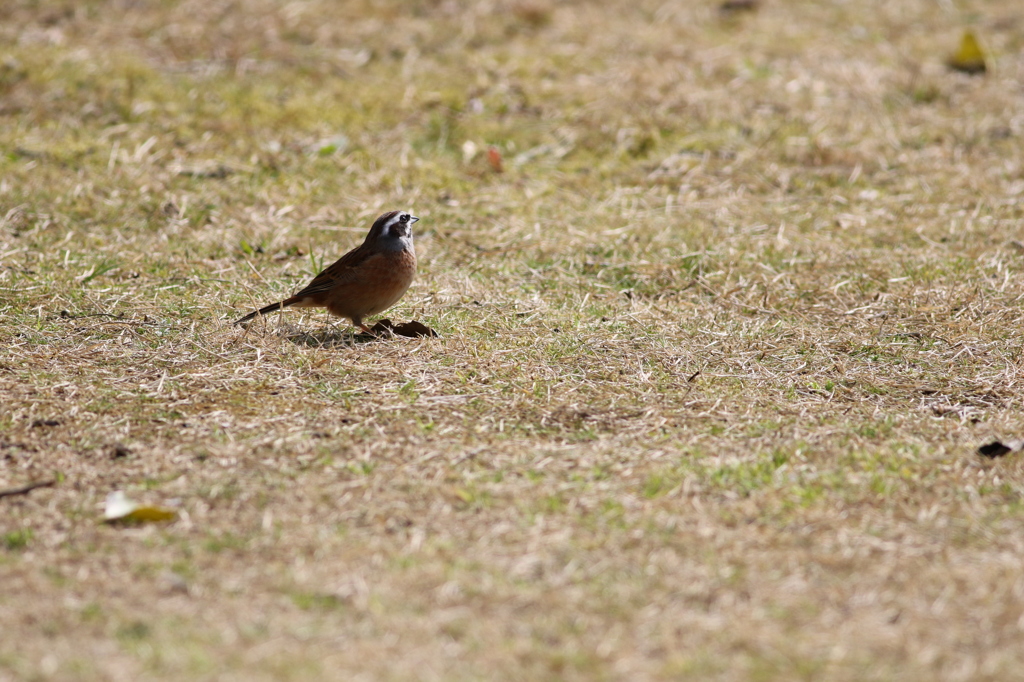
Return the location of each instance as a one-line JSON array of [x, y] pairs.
[[27, 488]]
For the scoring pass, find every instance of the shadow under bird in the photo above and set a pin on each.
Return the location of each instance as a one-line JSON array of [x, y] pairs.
[[367, 280]]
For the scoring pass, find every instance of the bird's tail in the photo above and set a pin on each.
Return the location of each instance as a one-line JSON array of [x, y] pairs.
[[272, 308]]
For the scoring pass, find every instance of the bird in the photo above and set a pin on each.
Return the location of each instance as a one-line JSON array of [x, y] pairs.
[[367, 280]]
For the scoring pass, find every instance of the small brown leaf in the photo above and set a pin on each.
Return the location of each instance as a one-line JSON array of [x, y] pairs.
[[210, 170], [734, 6], [534, 13], [411, 329], [414, 329], [494, 158]]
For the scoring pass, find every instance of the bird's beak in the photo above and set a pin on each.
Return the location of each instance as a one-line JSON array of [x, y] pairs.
[[413, 219]]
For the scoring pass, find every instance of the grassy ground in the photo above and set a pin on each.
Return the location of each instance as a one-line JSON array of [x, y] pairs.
[[719, 344]]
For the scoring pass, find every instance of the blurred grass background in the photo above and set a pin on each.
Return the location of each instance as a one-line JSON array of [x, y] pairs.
[[720, 340]]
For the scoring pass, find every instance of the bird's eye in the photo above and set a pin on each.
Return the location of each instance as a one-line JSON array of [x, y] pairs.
[[404, 218]]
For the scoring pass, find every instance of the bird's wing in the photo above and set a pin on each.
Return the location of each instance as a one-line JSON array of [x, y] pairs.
[[342, 271]]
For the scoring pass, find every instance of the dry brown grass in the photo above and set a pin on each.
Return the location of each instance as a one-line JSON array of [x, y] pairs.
[[718, 345]]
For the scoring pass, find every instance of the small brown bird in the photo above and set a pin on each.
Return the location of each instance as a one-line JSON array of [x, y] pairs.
[[367, 280]]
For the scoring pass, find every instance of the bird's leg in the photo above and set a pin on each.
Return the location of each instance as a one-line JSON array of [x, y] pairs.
[[366, 329]]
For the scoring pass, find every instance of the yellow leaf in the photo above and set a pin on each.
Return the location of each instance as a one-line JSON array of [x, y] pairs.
[[150, 515], [969, 58], [120, 509]]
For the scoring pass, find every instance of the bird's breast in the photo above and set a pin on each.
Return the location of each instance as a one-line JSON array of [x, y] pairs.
[[398, 271], [382, 281]]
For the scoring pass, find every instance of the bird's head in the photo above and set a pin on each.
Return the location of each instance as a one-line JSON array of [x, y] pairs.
[[393, 226]]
